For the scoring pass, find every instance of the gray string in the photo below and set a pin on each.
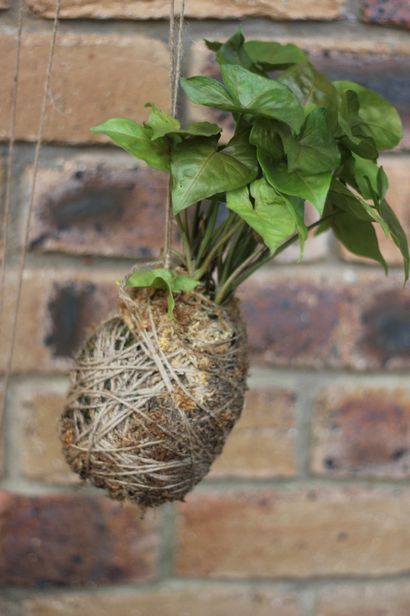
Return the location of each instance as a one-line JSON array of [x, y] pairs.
[[175, 53]]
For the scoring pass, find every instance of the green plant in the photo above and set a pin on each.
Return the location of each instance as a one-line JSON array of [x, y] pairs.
[[298, 137]]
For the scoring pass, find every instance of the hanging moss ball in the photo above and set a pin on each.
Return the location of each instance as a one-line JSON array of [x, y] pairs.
[[153, 399]]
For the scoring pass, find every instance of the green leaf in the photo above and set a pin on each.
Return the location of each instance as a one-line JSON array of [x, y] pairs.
[[207, 91], [160, 123], [312, 89], [398, 234], [363, 175], [271, 55], [313, 188], [341, 197], [299, 209], [272, 216], [358, 236], [352, 129], [136, 140], [201, 129], [200, 170], [231, 52], [262, 96], [314, 150], [266, 135], [162, 278], [380, 119]]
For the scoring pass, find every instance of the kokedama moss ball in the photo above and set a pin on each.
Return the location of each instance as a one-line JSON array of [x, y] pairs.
[[152, 399]]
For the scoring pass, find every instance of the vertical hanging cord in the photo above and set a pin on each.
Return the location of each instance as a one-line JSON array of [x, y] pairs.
[[175, 53], [43, 115], [10, 160]]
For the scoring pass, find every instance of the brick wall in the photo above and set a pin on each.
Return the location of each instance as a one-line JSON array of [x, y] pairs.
[[307, 511]]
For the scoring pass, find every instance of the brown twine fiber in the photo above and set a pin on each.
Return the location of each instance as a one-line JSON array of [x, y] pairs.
[[152, 400]]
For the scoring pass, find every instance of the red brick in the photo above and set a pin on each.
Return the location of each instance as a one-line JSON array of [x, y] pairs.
[[200, 9], [58, 311], [381, 599], [262, 444], [4, 4], [389, 12], [169, 600], [99, 209], [74, 539], [295, 532], [38, 410], [94, 78], [382, 66], [362, 431], [358, 321]]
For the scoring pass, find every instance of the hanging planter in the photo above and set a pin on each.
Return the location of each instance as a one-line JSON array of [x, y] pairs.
[[158, 387]]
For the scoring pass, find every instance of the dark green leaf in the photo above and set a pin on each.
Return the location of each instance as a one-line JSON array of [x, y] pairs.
[[313, 188], [208, 92], [232, 52], [200, 170], [314, 150], [266, 135], [201, 129], [312, 89], [262, 96], [352, 129], [358, 236], [380, 119], [136, 140], [162, 278], [398, 234], [272, 55], [354, 205]]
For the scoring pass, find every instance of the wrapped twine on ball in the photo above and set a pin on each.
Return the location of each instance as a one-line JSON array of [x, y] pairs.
[[152, 399]]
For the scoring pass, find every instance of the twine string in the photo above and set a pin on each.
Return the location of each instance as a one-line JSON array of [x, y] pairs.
[[9, 163], [23, 256], [175, 57]]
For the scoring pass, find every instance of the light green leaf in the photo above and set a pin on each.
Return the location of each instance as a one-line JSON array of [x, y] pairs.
[[162, 278], [208, 92], [262, 96], [314, 150], [273, 55], [160, 123], [313, 188], [312, 89], [136, 140], [200, 170], [201, 129], [381, 120], [272, 216]]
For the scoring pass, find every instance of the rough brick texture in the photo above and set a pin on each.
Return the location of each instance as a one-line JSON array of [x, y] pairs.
[[91, 82], [175, 600], [262, 444], [362, 431], [85, 208], [381, 599], [390, 12], [4, 4], [201, 9], [65, 540], [295, 533], [323, 321]]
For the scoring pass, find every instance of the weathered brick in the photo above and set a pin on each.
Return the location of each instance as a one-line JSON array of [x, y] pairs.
[[398, 196], [362, 431], [65, 540], [94, 78], [390, 12], [57, 312], [200, 9], [4, 4], [262, 444], [294, 532], [329, 320], [99, 209], [169, 600], [382, 68], [38, 410], [381, 599]]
